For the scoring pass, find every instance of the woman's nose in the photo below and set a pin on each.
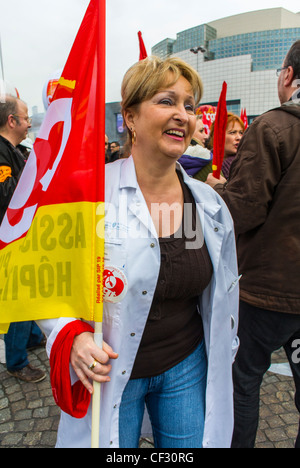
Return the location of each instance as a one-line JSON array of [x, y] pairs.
[[181, 114]]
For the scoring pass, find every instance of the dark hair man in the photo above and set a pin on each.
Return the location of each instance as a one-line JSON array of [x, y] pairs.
[[263, 195], [14, 125], [114, 151]]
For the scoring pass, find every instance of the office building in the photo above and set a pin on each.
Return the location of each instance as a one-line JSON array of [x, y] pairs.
[[244, 50]]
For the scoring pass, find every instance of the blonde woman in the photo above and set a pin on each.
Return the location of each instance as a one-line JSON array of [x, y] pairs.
[[170, 341]]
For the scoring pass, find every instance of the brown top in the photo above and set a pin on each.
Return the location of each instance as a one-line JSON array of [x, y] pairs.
[[174, 327]]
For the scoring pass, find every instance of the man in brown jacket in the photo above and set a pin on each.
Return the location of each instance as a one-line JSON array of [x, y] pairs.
[[263, 195]]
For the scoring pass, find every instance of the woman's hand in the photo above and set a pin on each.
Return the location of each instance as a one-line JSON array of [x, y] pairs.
[[212, 181], [84, 353]]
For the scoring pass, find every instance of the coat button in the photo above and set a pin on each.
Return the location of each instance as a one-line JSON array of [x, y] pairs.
[[216, 229], [152, 245], [232, 322], [132, 334], [145, 293]]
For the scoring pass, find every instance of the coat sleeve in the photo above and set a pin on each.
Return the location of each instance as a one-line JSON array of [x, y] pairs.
[[253, 178], [8, 181], [51, 329]]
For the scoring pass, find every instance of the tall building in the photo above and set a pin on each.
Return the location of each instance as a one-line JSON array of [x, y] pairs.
[[244, 50]]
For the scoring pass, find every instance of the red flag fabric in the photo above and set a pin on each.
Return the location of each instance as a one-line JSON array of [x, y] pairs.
[[52, 236], [244, 118], [219, 133], [72, 399], [143, 52]]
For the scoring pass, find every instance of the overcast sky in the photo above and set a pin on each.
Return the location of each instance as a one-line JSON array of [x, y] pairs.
[[37, 35]]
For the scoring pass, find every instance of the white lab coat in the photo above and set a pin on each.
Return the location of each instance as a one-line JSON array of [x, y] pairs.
[[133, 246]]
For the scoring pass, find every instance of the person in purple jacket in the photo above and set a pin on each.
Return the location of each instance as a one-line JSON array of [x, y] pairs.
[[197, 160]]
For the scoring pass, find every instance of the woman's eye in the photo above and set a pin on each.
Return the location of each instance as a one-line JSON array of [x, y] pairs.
[[190, 108], [167, 102]]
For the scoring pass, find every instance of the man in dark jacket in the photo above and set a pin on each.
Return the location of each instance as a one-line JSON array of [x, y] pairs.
[[14, 125], [114, 151], [263, 195]]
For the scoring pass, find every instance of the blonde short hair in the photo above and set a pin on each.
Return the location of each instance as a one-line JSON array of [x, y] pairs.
[[147, 77]]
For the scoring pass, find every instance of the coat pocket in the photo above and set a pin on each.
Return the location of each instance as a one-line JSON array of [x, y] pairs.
[[232, 282], [231, 279], [114, 252]]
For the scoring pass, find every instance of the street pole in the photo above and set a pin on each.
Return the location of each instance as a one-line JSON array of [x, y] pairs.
[[196, 50], [2, 84], [1, 60]]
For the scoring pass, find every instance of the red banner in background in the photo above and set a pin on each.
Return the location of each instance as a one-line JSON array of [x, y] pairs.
[[143, 52], [50, 87], [244, 118], [208, 113]]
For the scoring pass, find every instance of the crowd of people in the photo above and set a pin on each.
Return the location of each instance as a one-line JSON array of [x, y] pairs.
[[197, 159], [113, 151], [212, 269]]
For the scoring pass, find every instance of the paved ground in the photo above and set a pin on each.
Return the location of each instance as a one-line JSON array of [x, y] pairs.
[[29, 416]]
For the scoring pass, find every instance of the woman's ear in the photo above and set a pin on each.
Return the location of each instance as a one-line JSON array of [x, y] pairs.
[[129, 118]]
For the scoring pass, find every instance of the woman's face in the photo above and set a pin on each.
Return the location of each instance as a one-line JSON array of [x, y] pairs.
[[164, 124], [200, 132], [234, 133]]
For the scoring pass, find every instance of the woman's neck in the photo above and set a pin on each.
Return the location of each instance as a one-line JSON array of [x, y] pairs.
[[156, 177], [163, 194]]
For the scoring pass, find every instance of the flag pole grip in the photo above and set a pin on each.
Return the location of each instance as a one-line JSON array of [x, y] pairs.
[[98, 338]]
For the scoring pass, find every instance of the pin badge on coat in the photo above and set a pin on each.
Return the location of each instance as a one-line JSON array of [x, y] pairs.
[[115, 285]]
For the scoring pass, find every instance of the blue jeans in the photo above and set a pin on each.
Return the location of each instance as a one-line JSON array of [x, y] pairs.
[[20, 336], [176, 405]]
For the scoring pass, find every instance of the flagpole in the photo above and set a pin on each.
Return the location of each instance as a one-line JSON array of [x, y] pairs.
[[96, 401], [1, 60], [101, 63]]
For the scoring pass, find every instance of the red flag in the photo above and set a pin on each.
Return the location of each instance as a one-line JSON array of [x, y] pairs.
[[143, 52], [219, 133], [52, 236], [244, 118]]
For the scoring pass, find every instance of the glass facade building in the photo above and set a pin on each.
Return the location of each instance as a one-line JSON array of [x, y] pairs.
[[200, 35], [164, 48], [267, 48], [244, 50]]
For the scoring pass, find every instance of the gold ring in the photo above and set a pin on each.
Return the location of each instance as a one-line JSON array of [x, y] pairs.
[[92, 366]]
